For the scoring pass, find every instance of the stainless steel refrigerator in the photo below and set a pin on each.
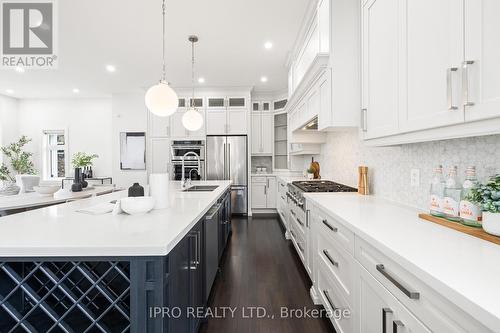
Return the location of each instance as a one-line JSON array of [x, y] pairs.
[[227, 159]]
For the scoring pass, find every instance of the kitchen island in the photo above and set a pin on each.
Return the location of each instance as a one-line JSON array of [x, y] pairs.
[[61, 270]]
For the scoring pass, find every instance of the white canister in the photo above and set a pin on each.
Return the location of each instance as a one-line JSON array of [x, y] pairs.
[[491, 223], [159, 189]]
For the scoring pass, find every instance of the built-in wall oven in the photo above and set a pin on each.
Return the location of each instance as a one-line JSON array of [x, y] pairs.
[[194, 165]]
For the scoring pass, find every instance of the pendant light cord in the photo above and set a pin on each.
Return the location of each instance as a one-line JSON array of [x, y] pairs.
[[192, 71], [164, 74]]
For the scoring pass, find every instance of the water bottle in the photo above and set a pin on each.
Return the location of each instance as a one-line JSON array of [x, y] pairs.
[[452, 193], [437, 193]]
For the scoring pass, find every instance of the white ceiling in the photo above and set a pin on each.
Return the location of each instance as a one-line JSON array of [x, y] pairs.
[[127, 34]]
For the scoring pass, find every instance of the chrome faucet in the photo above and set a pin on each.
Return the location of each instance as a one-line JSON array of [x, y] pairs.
[[185, 183]]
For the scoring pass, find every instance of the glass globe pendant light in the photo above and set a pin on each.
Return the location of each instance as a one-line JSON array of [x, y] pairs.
[[192, 120], [161, 99]]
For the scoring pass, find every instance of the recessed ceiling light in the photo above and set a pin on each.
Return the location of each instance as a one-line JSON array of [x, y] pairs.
[[201, 80], [20, 69], [9, 91], [110, 68], [263, 79], [76, 90], [268, 45]]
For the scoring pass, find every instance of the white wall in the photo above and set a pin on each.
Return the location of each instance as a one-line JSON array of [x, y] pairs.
[[129, 115], [87, 121], [390, 167], [9, 121]]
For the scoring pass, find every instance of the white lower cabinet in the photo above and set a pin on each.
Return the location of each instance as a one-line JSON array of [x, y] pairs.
[[379, 295], [264, 192], [378, 311]]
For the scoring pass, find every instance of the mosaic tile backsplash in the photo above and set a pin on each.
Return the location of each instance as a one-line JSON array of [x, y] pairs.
[[390, 167]]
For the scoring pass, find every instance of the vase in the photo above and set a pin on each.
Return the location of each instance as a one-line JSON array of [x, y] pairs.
[[77, 181], [27, 182], [84, 182], [136, 190], [310, 176], [9, 188], [491, 223]]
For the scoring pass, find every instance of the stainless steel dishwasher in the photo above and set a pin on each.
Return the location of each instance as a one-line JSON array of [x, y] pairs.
[[211, 247]]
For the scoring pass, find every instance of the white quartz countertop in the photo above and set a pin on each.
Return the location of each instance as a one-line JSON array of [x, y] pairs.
[[61, 231], [464, 269], [33, 199]]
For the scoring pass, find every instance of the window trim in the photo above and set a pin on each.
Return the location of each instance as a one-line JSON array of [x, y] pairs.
[[45, 156]]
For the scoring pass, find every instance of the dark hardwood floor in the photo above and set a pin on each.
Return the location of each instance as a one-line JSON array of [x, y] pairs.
[[261, 269]]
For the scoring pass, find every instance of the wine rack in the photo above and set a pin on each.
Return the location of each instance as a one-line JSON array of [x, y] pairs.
[[65, 296]]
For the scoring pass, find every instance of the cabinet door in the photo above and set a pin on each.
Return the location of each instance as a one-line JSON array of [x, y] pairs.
[[256, 132], [483, 49], [432, 54], [237, 121], [216, 121], [196, 273], [259, 194], [312, 104], [381, 35], [179, 284], [177, 129], [159, 155], [325, 114], [271, 199], [378, 311], [267, 133], [160, 126]]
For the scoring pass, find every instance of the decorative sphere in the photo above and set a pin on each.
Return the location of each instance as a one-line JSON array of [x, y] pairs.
[[192, 120], [161, 100]]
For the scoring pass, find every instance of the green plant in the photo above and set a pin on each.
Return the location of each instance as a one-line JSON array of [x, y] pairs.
[[20, 160], [310, 170], [487, 196], [81, 160]]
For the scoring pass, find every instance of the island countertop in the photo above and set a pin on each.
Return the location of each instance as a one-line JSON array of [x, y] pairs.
[[61, 231]]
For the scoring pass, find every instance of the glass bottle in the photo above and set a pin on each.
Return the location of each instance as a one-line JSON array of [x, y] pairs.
[[470, 213], [437, 192], [452, 192]]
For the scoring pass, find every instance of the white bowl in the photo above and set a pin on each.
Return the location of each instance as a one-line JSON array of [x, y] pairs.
[[46, 190], [137, 205]]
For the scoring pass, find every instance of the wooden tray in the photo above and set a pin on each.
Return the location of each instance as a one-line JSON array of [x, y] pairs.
[[476, 232]]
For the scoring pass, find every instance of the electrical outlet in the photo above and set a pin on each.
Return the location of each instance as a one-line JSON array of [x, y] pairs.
[[415, 177]]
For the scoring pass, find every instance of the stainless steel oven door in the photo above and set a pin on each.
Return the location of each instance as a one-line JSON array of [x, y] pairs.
[[190, 169], [180, 148]]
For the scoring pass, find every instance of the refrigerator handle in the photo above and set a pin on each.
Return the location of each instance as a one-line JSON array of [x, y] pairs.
[[229, 160], [225, 160]]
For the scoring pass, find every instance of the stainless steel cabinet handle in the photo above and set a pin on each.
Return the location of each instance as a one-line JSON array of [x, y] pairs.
[[300, 247], [327, 295], [332, 228], [300, 221], [327, 254], [465, 82], [265, 190], [283, 198], [292, 212], [449, 83], [385, 311], [364, 120], [308, 222], [397, 325], [410, 294]]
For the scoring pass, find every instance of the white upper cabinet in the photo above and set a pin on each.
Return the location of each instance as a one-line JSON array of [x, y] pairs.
[[216, 121], [432, 53], [262, 129], [381, 67], [227, 115], [430, 70], [482, 59]]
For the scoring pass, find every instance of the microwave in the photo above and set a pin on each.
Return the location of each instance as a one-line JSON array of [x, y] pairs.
[[180, 147]]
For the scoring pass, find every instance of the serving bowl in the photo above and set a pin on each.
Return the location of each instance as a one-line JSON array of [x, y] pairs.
[[137, 205], [46, 190]]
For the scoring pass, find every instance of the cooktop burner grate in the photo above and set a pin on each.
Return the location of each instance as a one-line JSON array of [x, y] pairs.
[[323, 186]]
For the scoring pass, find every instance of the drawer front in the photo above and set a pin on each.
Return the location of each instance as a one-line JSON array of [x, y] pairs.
[[259, 179], [298, 242], [339, 234], [297, 217], [282, 187], [333, 302], [339, 264], [439, 314]]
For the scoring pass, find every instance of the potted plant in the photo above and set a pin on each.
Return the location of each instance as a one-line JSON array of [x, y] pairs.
[[81, 160], [310, 173], [20, 163], [487, 196]]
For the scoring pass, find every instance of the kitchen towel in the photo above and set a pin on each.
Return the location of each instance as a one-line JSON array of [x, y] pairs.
[[158, 189]]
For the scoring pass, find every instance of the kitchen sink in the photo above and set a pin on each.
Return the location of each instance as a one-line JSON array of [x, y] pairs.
[[201, 188]]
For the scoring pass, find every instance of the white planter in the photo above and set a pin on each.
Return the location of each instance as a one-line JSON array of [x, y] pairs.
[[310, 176], [491, 223], [27, 182]]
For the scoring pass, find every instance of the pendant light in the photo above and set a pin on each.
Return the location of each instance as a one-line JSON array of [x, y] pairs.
[[192, 119], [161, 99]]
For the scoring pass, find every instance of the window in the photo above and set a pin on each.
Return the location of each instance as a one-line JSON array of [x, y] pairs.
[[55, 159]]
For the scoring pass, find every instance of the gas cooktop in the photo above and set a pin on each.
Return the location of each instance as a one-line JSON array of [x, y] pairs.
[[322, 186]]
